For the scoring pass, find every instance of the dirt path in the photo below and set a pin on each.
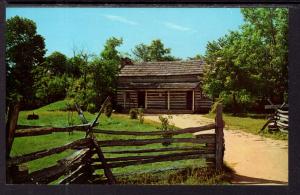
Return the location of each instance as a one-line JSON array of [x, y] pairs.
[[256, 160]]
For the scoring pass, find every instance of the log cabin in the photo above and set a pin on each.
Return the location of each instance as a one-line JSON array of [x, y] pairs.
[[162, 87]]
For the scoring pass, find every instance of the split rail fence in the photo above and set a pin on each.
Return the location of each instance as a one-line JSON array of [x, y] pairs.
[[279, 121], [80, 167]]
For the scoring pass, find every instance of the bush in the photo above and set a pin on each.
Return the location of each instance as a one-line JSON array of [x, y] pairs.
[[91, 108], [108, 109], [70, 105], [141, 115], [167, 127], [133, 113]]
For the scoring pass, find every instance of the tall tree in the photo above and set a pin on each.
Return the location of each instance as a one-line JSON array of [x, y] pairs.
[[141, 52], [267, 33], [57, 63], [98, 78], [250, 65], [25, 49], [156, 51], [106, 69]]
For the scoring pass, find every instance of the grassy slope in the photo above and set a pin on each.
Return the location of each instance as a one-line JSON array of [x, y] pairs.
[[26, 145], [250, 124]]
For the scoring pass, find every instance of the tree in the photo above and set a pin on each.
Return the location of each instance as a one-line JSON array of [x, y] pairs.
[[141, 52], [250, 65], [106, 69], [197, 57], [25, 49], [156, 51], [110, 52], [266, 30], [99, 76], [57, 63]]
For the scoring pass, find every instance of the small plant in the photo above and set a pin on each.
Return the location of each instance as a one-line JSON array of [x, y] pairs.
[[91, 108], [167, 127], [133, 113], [141, 115], [108, 110]]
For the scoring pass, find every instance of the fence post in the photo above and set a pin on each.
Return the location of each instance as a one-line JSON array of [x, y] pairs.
[[220, 147]]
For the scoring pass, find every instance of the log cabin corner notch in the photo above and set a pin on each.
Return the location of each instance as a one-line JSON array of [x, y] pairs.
[[162, 87]]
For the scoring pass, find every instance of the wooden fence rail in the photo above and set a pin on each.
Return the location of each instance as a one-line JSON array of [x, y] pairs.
[[81, 166], [279, 121], [84, 127]]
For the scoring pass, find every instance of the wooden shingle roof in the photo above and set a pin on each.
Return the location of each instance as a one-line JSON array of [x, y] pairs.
[[165, 68], [156, 85]]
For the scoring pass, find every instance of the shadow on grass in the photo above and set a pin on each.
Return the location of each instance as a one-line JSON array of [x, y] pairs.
[[250, 115]]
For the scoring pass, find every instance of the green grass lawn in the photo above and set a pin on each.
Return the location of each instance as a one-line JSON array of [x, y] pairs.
[[51, 115], [249, 123]]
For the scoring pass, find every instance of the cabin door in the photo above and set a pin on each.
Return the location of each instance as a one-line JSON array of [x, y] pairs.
[[189, 100], [141, 99]]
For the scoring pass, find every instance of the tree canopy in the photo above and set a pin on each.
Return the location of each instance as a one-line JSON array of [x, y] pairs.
[[98, 76], [250, 65], [25, 49], [156, 51]]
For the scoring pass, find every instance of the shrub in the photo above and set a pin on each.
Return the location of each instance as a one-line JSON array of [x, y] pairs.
[[167, 127], [133, 113], [141, 115], [91, 108], [70, 105], [108, 109]]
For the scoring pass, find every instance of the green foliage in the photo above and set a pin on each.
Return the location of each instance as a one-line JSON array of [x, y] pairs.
[[197, 57], [82, 92], [156, 51], [50, 88], [249, 65], [56, 63], [167, 127], [76, 65], [133, 113], [98, 76], [91, 108], [110, 52], [24, 50]]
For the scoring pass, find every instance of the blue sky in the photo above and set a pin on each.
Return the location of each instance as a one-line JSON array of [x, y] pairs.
[[185, 30]]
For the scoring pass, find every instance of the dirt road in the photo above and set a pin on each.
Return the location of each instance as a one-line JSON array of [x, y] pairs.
[[256, 160]]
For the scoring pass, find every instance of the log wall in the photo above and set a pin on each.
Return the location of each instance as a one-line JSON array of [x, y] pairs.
[[130, 99], [157, 100], [178, 100]]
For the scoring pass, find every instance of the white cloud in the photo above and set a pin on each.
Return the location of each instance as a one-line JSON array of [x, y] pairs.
[[120, 19], [177, 27]]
